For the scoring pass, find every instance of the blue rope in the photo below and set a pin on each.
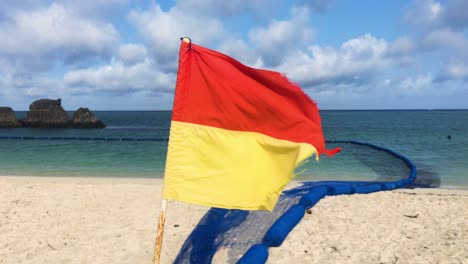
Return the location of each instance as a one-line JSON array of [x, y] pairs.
[[82, 138], [278, 232]]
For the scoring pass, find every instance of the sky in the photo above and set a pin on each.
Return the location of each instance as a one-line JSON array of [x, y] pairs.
[[122, 54]]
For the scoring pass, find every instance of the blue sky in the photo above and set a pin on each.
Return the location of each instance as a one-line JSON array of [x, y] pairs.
[[122, 54]]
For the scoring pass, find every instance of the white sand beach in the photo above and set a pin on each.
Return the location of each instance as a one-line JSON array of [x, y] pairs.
[[109, 220]]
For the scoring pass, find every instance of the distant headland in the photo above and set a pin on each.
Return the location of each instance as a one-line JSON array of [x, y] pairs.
[[48, 113]]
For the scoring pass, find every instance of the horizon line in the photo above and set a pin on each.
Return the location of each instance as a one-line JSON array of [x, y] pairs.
[[350, 109]]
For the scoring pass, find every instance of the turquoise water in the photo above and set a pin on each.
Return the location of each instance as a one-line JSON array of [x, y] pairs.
[[422, 136]]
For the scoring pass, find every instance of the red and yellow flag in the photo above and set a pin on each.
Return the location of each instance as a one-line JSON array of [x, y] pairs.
[[237, 133]]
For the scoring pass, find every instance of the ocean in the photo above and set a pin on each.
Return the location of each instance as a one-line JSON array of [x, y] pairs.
[[435, 141]]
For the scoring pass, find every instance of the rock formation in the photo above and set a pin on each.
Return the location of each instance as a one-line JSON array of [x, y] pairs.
[[46, 113], [8, 118], [84, 118]]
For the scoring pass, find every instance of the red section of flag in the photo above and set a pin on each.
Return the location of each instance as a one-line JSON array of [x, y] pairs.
[[215, 90]]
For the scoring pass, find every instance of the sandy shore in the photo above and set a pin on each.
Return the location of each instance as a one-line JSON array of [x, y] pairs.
[[89, 220]]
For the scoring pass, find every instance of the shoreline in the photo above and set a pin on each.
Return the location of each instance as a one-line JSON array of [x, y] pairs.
[[103, 220], [138, 179]]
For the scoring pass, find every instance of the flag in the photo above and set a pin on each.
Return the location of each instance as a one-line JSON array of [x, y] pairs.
[[237, 133]]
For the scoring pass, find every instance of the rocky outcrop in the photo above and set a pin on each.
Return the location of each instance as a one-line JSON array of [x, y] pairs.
[[46, 113], [8, 118], [84, 118]]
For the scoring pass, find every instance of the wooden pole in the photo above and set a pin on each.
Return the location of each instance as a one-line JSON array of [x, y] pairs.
[[160, 232], [162, 214]]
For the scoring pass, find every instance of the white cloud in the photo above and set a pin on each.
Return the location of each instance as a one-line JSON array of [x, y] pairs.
[[402, 46], [417, 85], [29, 86], [458, 70], [354, 62], [241, 51], [35, 39], [216, 8], [10, 6], [96, 8], [434, 9], [454, 71], [424, 13], [455, 14], [257, 8], [316, 5], [281, 37], [431, 14], [446, 38], [162, 30], [118, 78], [441, 33], [132, 53]]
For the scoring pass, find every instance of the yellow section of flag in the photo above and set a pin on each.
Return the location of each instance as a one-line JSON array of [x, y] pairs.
[[229, 169]]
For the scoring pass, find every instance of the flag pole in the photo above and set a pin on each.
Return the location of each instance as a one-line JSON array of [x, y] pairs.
[[162, 214], [160, 232]]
